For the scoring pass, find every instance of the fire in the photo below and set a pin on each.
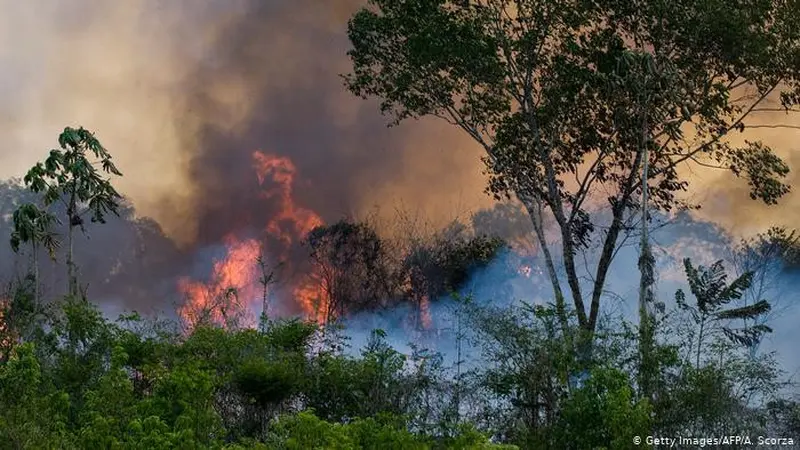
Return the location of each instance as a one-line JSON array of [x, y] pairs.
[[6, 339], [281, 172], [233, 290], [312, 299], [425, 313], [526, 271], [231, 294]]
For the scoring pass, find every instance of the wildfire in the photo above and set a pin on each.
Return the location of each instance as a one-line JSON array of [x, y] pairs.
[[231, 294], [312, 299], [292, 222], [233, 290], [425, 313], [281, 172], [6, 340]]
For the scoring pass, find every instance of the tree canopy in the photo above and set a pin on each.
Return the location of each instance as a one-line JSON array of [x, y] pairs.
[[565, 96]]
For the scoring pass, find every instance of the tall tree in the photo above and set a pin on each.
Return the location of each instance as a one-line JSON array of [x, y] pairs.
[[544, 87], [70, 176], [352, 267]]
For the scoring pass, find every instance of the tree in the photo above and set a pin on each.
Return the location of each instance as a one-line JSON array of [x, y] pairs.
[[545, 87], [69, 176], [351, 262], [767, 256], [712, 292], [33, 225], [443, 265]]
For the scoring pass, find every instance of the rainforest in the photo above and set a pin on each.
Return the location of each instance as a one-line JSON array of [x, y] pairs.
[[399, 224]]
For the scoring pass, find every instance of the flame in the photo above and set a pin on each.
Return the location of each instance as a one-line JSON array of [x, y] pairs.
[[282, 172], [231, 294], [6, 338], [237, 270], [425, 313], [525, 270], [312, 299]]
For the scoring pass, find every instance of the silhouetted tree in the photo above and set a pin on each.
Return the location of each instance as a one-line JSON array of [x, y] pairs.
[[353, 267]]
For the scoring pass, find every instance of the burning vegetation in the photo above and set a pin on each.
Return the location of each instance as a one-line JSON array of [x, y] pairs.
[[350, 267], [232, 294], [589, 116]]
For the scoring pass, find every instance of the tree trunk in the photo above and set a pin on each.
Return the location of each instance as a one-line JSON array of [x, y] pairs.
[[700, 342], [610, 243], [36, 275], [71, 281], [534, 208], [73, 221], [646, 366]]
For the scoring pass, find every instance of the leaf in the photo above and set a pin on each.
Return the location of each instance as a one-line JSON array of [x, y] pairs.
[[745, 312]]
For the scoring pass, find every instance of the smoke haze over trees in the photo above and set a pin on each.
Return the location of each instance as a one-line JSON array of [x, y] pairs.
[[291, 273]]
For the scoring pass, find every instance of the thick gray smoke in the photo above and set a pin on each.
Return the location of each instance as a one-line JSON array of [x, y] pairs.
[[182, 93]]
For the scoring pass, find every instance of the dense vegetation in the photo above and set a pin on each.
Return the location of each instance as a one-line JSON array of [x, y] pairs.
[[71, 379], [617, 95]]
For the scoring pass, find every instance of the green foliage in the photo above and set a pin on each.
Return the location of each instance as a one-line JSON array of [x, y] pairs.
[[32, 415], [20, 315], [268, 383], [306, 431], [68, 172], [534, 368], [603, 413], [712, 292], [83, 382], [33, 225], [342, 387], [705, 397]]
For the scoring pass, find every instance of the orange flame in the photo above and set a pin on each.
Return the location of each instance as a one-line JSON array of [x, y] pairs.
[[6, 338], [231, 294], [425, 312], [281, 171], [237, 270], [312, 299]]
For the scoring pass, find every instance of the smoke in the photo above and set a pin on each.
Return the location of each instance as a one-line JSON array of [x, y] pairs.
[[183, 92], [725, 198]]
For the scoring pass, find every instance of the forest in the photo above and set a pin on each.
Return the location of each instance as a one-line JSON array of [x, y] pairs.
[[572, 314]]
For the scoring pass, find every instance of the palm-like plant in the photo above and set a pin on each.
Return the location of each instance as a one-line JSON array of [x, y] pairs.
[[34, 226], [712, 292]]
